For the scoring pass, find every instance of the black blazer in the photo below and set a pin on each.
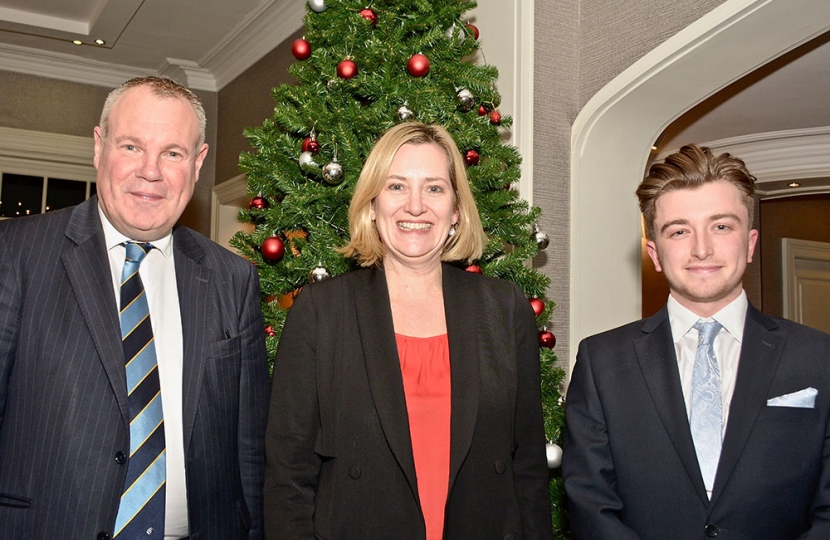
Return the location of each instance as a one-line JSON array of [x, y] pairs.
[[629, 462], [338, 453], [63, 398]]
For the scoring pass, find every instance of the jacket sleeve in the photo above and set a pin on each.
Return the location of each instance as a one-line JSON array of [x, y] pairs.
[[253, 406], [529, 461], [587, 464], [291, 466], [820, 506], [9, 320]]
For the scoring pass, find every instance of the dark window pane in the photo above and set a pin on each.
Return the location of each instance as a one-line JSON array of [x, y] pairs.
[[21, 195], [63, 193], [93, 188]]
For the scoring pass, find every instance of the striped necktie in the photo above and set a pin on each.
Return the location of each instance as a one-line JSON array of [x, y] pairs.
[[141, 512], [706, 418]]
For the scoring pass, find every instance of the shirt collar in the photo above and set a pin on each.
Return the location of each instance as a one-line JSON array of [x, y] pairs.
[[113, 238], [732, 317]]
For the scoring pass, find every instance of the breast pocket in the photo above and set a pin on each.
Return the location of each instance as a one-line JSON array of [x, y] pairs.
[[798, 415], [223, 362]]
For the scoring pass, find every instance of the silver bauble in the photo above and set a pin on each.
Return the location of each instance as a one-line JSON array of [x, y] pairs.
[[333, 173], [542, 239], [554, 454], [466, 100], [405, 113], [318, 273], [317, 5], [307, 162]]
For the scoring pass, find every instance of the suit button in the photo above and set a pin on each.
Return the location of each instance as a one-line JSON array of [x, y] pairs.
[[103, 535], [499, 465], [355, 472], [711, 530], [120, 458]]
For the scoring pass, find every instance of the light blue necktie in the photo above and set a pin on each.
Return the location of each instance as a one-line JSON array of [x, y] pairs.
[[706, 417], [141, 512]]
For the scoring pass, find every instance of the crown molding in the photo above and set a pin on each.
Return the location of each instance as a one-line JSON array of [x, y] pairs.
[[257, 35], [782, 155], [51, 154], [65, 67]]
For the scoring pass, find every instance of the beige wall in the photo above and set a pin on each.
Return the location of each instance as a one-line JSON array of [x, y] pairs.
[[41, 104], [247, 101]]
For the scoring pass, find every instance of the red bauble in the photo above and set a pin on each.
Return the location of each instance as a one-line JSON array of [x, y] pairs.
[[538, 305], [370, 16], [272, 249], [301, 49], [471, 157], [418, 65], [258, 203], [547, 339], [475, 269], [311, 145], [483, 110], [472, 29], [495, 117], [269, 331], [346, 69]]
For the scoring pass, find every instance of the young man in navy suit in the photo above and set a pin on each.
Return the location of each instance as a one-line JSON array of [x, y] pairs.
[[81, 456], [709, 419]]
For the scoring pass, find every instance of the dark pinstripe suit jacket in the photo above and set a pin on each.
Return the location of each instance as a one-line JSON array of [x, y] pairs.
[[630, 467], [63, 401]]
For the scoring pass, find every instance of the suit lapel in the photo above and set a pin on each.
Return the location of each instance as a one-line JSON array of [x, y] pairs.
[[459, 303], [193, 283], [383, 368], [87, 267], [760, 352], [658, 361]]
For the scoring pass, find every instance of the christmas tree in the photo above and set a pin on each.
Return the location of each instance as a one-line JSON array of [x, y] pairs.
[[361, 70]]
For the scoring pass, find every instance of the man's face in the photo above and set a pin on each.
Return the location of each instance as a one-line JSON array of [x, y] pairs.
[[148, 163], [703, 243]]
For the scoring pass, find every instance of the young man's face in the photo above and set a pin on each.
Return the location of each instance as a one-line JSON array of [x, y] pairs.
[[702, 244]]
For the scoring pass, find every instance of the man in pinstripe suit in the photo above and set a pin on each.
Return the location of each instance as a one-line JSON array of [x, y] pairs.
[[64, 414]]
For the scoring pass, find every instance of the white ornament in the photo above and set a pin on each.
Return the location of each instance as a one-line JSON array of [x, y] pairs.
[[317, 5], [405, 113], [307, 161], [554, 454]]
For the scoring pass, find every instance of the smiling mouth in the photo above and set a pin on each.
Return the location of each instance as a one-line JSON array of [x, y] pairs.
[[407, 226]]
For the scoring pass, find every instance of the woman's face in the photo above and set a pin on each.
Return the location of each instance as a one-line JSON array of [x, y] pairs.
[[416, 206]]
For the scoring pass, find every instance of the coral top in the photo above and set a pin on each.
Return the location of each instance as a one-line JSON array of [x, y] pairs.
[[425, 365]]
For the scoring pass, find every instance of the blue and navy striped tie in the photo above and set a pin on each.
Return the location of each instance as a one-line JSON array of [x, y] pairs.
[[141, 512]]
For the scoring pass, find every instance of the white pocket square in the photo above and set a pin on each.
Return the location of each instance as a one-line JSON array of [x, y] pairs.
[[803, 399]]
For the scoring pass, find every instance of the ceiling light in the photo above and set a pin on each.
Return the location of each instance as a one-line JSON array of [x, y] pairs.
[[793, 184], [77, 42], [99, 41]]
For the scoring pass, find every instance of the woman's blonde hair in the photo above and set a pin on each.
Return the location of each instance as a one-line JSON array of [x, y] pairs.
[[469, 240]]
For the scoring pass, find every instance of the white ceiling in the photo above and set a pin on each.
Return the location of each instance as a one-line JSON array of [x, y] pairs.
[[204, 43]]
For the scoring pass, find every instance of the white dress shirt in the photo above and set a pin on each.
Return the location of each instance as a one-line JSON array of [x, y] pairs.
[[727, 346], [158, 274]]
